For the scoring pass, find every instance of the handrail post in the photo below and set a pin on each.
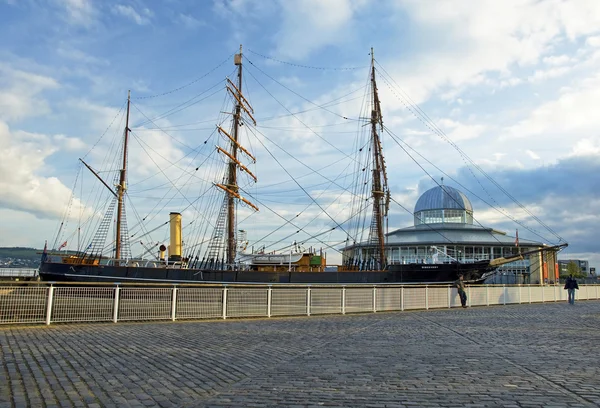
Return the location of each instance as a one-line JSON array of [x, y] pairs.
[[374, 299], [225, 302], [308, 300], [269, 300], [116, 304], [529, 293], [487, 295], [449, 297], [343, 300], [49, 305], [402, 298], [174, 303], [542, 288], [469, 300], [426, 297], [504, 294]]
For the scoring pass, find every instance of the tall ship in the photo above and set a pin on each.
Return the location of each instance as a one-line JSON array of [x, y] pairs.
[[203, 240]]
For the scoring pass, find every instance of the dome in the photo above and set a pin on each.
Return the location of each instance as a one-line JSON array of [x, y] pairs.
[[443, 198]]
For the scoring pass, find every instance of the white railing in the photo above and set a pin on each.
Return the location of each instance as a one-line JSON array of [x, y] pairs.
[[18, 273], [61, 303]]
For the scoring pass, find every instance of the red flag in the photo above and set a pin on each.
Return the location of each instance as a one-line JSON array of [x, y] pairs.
[[64, 244]]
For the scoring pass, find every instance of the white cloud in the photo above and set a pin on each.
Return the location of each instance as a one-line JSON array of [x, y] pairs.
[[79, 56], [587, 147], [593, 41], [541, 75], [557, 59], [486, 37], [532, 154], [20, 93], [312, 24], [69, 143], [572, 113], [140, 18], [189, 21], [457, 131], [80, 12], [23, 189]]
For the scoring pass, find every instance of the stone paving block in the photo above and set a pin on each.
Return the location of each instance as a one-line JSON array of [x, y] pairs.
[[479, 357]]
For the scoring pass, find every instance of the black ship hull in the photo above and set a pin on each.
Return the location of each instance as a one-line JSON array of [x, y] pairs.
[[404, 273]]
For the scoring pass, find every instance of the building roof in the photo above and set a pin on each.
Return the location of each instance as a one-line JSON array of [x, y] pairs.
[[453, 234], [443, 197]]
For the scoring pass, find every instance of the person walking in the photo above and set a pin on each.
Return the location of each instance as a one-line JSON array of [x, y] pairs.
[[570, 286], [460, 287]]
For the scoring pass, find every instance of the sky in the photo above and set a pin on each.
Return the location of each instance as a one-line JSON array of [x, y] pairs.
[[513, 84]]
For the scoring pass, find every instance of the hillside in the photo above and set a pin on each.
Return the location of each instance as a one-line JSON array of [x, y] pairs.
[[20, 253], [19, 257]]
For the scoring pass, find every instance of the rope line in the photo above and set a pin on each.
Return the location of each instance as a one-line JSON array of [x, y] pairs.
[[307, 66], [188, 84]]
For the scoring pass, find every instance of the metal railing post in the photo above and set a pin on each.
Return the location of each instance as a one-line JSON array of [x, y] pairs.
[[469, 304], [449, 297], [504, 294], [49, 305], [116, 304], [308, 301], [529, 293], [374, 299], [542, 288], [402, 299], [343, 300], [487, 295], [225, 303], [174, 303], [269, 300], [426, 297], [519, 287]]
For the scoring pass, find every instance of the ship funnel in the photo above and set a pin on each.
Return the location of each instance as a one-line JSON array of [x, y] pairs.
[[175, 246]]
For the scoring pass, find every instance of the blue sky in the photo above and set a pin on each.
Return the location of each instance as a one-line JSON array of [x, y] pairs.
[[514, 84]]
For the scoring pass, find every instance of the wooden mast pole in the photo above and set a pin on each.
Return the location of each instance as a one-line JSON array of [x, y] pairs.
[[378, 170], [232, 176], [122, 187]]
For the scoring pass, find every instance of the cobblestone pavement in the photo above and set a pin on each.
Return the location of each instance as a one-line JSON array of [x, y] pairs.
[[505, 356]]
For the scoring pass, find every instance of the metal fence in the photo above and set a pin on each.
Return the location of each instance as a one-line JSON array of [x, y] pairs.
[[69, 303], [18, 273]]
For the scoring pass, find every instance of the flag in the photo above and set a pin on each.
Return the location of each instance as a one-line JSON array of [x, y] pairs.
[[45, 252], [64, 244], [517, 239]]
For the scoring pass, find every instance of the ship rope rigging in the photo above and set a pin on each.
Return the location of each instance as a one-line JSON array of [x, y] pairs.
[[358, 210]]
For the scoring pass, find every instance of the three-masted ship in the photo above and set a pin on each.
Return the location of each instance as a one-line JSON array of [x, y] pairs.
[[225, 259]]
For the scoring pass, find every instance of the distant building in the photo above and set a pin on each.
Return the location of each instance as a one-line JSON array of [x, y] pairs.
[[443, 231], [584, 266]]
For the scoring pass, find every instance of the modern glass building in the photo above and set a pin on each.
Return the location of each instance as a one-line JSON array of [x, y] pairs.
[[444, 231]]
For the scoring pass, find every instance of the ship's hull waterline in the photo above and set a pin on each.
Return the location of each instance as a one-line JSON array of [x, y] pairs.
[[407, 273]]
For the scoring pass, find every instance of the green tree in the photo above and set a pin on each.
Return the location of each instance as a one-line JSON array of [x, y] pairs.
[[573, 269]]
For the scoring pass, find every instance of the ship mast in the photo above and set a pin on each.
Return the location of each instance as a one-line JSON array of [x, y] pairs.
[[121, 187], [242, 108], [379, 191]]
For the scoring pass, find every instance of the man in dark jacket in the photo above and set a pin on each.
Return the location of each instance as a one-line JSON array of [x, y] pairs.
[[570, 286], [460, 287]]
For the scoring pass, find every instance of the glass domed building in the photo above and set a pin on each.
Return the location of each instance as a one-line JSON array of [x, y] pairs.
[[444, 232]]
